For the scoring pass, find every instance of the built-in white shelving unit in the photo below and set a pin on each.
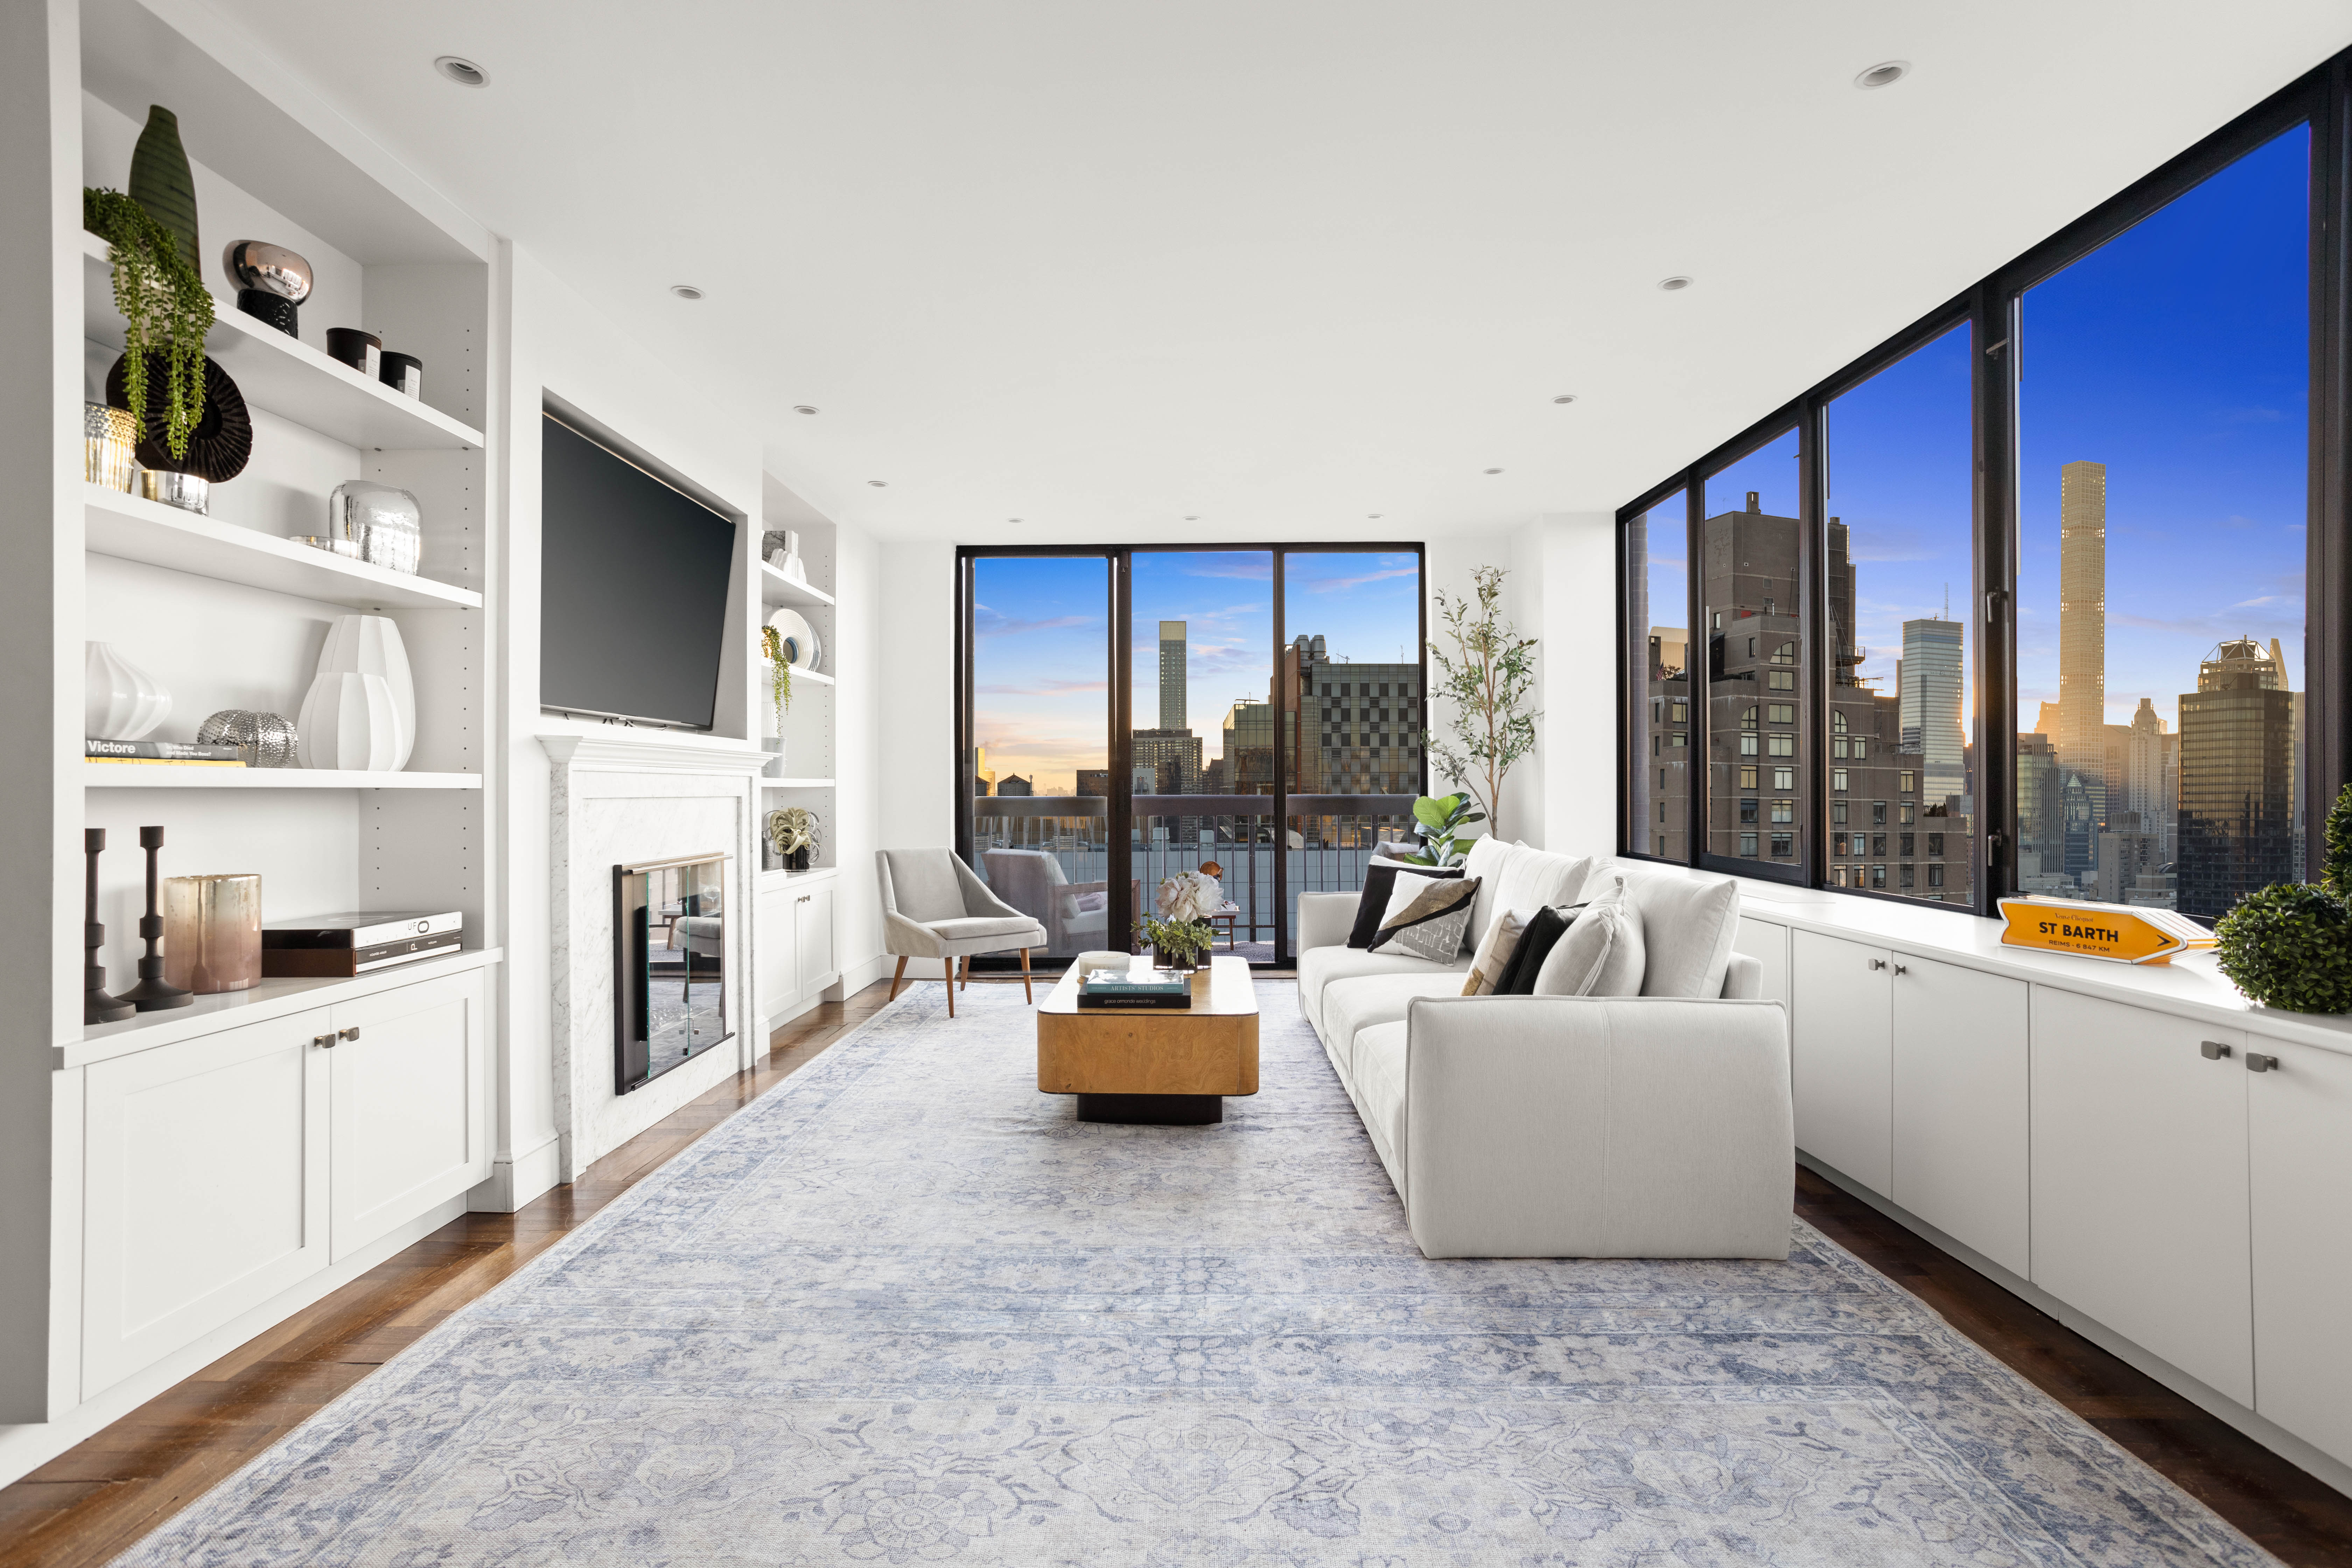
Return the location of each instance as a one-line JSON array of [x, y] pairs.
[[778, 591], [131, 528], [168, 775]]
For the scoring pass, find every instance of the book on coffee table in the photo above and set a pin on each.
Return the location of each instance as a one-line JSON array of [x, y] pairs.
[[1133, 990]]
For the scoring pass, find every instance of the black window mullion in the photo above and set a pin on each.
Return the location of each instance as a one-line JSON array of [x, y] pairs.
[[2327, 628], [1820, 669], [1119, 858], [1700, 770], [1994, 317]]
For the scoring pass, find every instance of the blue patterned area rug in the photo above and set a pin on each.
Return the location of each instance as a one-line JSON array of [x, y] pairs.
[[905, 1310]]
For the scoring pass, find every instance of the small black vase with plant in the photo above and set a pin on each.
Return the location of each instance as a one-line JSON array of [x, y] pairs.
[[2290, 944]]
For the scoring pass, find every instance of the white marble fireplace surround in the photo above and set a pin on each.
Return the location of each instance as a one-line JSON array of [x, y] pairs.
[[621, 801]]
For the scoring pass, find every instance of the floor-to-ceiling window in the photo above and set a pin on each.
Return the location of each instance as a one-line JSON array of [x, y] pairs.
[[1900, 806], [1128, 713], [2163, 460], [1353, 675], [1036, 822]]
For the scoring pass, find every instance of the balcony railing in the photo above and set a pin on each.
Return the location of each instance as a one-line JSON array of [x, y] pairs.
[[1325, 839]]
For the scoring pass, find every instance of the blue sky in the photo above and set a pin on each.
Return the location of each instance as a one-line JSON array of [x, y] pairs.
[[2176, 354], [1041, 627]]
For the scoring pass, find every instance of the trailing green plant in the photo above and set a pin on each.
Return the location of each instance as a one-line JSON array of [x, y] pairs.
[[2335, 856], [1486, 677], [1439, 820], [780, 673], [166, 304], [2289, 945]]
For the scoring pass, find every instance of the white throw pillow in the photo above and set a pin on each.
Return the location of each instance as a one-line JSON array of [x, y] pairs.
[[1602, 955], [1488, 860], [1493, 953], [1687, 922]]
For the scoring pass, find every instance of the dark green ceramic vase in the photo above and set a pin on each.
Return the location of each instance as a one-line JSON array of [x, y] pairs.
[[162, 182]]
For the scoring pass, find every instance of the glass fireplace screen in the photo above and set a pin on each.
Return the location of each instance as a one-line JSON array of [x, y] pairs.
[[669, 939]]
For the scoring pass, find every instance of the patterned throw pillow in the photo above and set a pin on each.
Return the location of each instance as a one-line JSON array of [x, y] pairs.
[[1426, 917], [1493, 960], [1381, 878]]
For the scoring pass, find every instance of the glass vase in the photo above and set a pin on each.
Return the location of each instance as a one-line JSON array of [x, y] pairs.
[[212, 932]]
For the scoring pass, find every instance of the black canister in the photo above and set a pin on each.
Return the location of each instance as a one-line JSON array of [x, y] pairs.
[[272, 309], [404, 373], [360, 350]]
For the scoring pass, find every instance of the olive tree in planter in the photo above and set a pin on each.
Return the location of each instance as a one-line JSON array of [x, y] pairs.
[[2290, 944], [1486, 676]]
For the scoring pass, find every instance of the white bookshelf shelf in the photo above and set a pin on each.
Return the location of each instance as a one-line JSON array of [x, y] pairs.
[[287, 376], [163, 775], [787, 879], [777, 590], [795, 783], [133, 528], [801, 675]]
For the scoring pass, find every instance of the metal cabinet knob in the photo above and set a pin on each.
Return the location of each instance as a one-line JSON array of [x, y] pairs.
[[2257, 1062], [351, 1034], [323, 1042], [1901, 969], [1878, 964], [2214, 1049]]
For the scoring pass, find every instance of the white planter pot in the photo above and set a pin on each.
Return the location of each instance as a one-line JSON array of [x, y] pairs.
[[121, 701], [371, 645], [349, 722]]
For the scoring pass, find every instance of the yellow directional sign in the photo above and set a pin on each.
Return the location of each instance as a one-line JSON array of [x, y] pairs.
[[2116, 933]]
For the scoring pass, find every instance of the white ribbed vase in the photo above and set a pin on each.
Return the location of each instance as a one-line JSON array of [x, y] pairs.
[[371, 645], [121, 701], [349, 722]]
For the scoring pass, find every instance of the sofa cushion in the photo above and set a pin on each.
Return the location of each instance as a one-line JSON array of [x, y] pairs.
[[1380, 1095], [1486, 861], [1493, 960], [1351, 1006], [971, 926], [1319, 967], [1599, 956], [1381, 881], [1534, 877], [1687, 924], [1426, 917]]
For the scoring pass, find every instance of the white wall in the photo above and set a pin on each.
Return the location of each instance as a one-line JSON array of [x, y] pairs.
[[865, 711], [1575, 559], [914, 755]]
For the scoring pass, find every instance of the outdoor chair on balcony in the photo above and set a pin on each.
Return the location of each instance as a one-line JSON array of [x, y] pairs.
[[1076, 915], [934, 907]]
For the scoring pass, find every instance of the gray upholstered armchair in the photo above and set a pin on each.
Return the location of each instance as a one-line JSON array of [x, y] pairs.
[[933, 906]]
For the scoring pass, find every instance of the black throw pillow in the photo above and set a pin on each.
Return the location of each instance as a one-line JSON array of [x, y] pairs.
[[1550, 924], [1380, 882]]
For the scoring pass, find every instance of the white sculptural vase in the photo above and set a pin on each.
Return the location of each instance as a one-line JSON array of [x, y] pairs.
[[349, 722], [121, 701], [371, 645]]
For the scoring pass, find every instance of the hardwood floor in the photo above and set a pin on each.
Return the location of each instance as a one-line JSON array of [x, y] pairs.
[[82, 1508]]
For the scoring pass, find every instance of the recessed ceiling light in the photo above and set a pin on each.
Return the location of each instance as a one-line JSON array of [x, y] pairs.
[[803, 408], [1674, 284], [879, 484], [1565, 397], [1013, 520], [1191, 516], [685, 290], [461, 70], [1886, 73], [1494, 470], [1372, 516]]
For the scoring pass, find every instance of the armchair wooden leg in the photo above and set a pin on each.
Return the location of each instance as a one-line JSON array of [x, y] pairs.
[[950, 987], [895, 979], [967, 972], [1027, 992]]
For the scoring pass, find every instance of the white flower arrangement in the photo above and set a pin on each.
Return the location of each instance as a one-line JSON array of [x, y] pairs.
[[1188, 896]]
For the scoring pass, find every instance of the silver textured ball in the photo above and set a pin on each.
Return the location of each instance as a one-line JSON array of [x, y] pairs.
[[266, 740]]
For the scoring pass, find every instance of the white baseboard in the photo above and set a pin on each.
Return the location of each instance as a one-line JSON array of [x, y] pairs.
[[2260, 1428], [859, 976], [515, 1181], [26, 1447]]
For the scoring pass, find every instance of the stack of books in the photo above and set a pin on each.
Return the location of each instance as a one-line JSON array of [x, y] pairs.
[[161, 753], [1131, 989]]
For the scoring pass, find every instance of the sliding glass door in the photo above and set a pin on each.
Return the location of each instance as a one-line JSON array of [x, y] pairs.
[[1128, 713]]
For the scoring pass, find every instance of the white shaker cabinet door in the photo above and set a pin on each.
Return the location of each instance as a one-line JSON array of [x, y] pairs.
[[1768, 944], [2299, 1113], [1843, 1061], [411, 1105], [1959, 1105], [814, 935], [777, 964], [2139, 1180], [205, 1187]]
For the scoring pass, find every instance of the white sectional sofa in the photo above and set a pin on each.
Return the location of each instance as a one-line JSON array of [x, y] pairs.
[[1649, 1126]]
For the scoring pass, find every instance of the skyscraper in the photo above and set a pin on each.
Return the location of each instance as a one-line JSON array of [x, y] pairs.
[[2237, 786], [2083, 629], [1929, 682], [1171, 676]]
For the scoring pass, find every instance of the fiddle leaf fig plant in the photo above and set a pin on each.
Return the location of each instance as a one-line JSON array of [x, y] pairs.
[[166, 305], [1440, 820]]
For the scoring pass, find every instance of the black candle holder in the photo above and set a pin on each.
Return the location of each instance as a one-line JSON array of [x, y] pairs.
[[153, 992], [97, 1006]]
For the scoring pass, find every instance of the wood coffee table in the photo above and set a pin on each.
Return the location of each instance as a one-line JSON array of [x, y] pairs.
[[1151, 1067]]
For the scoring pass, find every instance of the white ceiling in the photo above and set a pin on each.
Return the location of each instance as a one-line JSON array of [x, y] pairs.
[[1098, 266]]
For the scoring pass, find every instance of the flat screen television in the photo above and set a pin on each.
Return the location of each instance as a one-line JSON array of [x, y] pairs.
[[632, 588]]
